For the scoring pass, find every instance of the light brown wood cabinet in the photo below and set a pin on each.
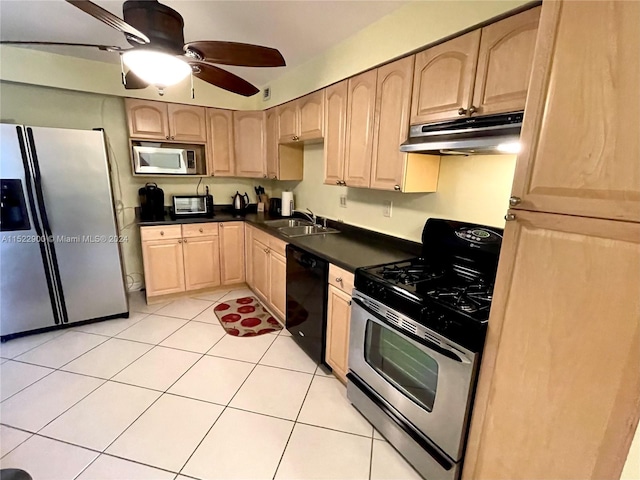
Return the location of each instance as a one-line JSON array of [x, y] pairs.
[[248, 254], [278, 283], [201, 262], [361, 102], [559, 375], [269, 271], [220, 148], [338, 318], [484, 71], [163, 266], [335, 127], [284, 161], [166, 121], [232, 253], [581, 138], [250, 144], [302, 119], [260, 268]]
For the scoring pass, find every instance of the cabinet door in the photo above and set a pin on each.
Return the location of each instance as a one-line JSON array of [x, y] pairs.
[[504, 63], [147, 119], [260, 269], [311, 115], [287, 120], [278, 283], [248, 254], [335, 128], [232, 252], [393, 106], [361, 101], [220, 152], [187, 123], [272, 143], [201, 262], [581, 135], [338, 315], [249, 137], [163, 266], [443, 79], [559, 378]]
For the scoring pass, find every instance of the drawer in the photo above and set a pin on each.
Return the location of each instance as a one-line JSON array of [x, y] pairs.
[[278, 246], [340, 278], [199, 229], [261, 236], [160, 232]]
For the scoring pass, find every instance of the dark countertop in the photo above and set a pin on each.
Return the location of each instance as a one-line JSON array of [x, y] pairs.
[[352, 248]]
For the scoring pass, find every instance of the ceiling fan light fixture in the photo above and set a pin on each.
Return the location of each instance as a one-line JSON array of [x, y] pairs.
[[156, 68]]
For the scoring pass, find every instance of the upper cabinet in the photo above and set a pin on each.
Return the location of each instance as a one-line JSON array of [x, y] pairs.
[[271, 126], [147, 119], [335, 127], [443, 79], [361, 101], [284, 161], [165, 121], [220, 151], [504, 63], [187, 123], [482, 72], [302, 119], [581, 139], [250, 143]]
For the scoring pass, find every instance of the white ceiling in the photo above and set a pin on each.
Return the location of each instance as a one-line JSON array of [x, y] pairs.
[[300, 29]]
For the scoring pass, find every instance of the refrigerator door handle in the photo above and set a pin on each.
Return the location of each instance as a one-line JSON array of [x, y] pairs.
[[37, 180]]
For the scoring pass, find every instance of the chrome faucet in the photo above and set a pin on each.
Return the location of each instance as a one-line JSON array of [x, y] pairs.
[[311, 216]]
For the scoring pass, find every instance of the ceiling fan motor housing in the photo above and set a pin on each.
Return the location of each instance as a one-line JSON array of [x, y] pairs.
[[163, 25]]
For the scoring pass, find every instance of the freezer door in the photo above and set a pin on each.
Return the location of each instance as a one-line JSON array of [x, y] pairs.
[[26, 289], [74, 177]]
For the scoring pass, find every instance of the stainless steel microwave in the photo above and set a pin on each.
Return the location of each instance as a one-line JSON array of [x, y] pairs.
[[165, 160]]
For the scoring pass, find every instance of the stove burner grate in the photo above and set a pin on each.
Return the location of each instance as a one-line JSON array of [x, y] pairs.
[[468, 298], [409, 275]]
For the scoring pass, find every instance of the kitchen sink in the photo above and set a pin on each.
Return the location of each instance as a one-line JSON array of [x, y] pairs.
[[288, 222], [302, 230]]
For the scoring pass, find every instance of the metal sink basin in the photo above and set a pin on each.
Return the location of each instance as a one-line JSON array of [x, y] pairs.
[[301, 231], [288, 222]]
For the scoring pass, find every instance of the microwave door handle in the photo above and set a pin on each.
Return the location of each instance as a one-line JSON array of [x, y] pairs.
[[447, 352]]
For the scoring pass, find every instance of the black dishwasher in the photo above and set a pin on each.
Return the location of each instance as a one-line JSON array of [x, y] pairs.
[[307, 277]]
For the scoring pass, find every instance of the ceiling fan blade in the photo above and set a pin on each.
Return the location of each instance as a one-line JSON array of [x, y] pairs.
[[106, 48], [134, 82], [241, 54], [221, 78], [110, 19]]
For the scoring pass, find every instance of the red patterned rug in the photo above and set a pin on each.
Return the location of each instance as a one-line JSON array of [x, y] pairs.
[[245, 317]]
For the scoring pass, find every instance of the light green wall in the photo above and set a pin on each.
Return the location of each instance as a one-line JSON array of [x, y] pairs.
[[48, 107], [631, 469], [406, 29], [473, 189], [33, 67]]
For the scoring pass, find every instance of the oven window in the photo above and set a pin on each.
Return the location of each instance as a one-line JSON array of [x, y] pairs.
[[401, 363]]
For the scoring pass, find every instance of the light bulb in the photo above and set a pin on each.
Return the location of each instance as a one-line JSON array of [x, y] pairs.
[[156, 68], [511, 147]]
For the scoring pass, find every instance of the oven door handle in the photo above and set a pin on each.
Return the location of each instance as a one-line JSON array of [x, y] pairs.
[[449, 353]]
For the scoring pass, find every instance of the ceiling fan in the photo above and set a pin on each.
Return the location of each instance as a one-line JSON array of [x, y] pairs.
[[159, 55]]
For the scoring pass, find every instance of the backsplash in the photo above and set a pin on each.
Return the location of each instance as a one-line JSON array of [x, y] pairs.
[[472, 189]]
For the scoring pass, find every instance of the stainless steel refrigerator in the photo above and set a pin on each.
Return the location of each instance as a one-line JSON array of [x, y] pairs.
[[60, 259]]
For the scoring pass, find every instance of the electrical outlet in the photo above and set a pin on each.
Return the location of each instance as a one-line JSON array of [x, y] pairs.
[[266, 94], [386, 209], [343, 201]]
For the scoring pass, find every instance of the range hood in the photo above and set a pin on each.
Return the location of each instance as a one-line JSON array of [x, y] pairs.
[[489, 134]]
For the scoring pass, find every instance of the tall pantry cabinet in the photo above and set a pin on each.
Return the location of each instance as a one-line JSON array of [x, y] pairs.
[[559, 387]]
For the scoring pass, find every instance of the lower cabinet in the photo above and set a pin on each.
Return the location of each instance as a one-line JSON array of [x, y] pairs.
[[232, 243], [338, 321], [195, 256], [267, 265]]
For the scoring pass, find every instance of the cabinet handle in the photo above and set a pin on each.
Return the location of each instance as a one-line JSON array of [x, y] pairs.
[[275, 177], [509, 217], [167, 137], [462, 111], [296, 138], [339, 279], [161, 232], [179, 240], [338, 182], [266, 250], [200, 230], [472, 110], [185, 240], [173, 138], [396, 188], [264, 176], [513, 201], [343, 183]]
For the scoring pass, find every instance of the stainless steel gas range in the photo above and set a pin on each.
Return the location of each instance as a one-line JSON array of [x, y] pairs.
[[417, 332]]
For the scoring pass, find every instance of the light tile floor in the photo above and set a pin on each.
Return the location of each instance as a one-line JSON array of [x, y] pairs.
[[166, 394]]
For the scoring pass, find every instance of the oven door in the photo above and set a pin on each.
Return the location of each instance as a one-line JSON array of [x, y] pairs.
[[427, 383], [157, 160]]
